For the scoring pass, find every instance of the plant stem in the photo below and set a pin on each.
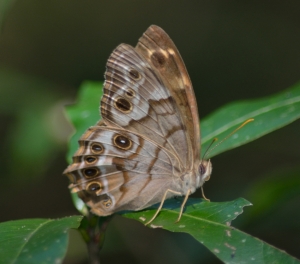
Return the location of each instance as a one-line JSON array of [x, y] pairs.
[[93, 232]]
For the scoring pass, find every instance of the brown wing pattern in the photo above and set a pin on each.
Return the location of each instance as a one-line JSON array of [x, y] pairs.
[[149, 136], [109, 179], [159, 50], [137, 100]]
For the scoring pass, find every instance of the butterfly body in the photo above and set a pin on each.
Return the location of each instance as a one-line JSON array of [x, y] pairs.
[[146, 148]]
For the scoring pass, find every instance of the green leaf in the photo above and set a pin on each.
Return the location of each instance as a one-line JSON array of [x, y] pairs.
[[35, 240], [206, 222], [209, 223], [84, 113], [269, 114], [196, 209]]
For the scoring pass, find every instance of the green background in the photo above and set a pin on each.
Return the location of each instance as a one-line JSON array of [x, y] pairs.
[[233, 50]]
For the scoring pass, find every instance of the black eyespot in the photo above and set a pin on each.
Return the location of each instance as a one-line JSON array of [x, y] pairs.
[[158, 59], [122, 142], [107, 202], [94, 187], [130, 93], [90, 159], [97, 148], [91, 172], [134, 74], [123, 105]]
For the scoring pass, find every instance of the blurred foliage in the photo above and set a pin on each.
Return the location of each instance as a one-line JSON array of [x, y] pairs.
[[4, 7], [273, 191], [36, 127]]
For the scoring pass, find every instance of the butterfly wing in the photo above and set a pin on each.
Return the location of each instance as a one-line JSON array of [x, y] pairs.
[[159, 50], [113, 167], [149, 135], [136, 99]]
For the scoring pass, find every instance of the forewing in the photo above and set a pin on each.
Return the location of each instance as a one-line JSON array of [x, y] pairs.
[[159, 50], [136, 99]]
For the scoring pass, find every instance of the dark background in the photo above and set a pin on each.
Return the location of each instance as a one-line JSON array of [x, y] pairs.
[[233, 50]]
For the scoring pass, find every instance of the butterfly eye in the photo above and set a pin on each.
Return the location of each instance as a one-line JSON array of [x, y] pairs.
[[202, 169], [123, 105], [91, 172], [97, 148], [122, 142], [205, 169], [134, 74]]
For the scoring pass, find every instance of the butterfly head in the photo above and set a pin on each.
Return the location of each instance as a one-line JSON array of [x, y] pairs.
[[204, 170]]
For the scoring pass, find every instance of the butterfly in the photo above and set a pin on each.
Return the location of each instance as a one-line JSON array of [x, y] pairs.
[[146, 147]]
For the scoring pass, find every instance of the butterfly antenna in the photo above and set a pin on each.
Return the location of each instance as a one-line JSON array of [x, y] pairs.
[[234, 131], [206, 151]]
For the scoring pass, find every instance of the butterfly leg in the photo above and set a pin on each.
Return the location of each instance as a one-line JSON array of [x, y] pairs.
[[183, 204], [206, 199], [161, 204]]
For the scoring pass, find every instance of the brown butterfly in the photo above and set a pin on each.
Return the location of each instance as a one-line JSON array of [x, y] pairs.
[[146, 148]]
